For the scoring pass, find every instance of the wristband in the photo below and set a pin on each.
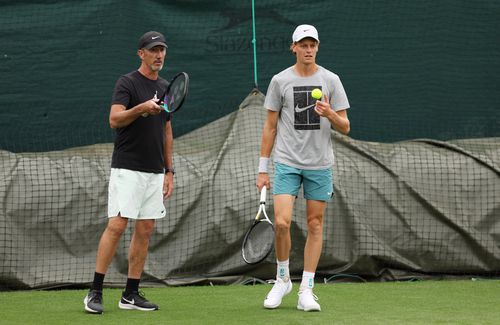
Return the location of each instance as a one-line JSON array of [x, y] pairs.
[[263, 161]]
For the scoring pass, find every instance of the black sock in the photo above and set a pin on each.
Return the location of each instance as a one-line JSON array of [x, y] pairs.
[[132, 285], [98, 281]]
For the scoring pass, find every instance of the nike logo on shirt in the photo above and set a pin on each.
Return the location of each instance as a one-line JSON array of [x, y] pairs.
[[301, 109]]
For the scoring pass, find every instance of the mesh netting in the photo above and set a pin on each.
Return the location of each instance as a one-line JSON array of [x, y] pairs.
[[412, 208], [416, 181]]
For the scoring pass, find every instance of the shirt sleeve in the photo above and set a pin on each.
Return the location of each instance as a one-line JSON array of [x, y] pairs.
[[121, 94], [273, 100], [338, 100]]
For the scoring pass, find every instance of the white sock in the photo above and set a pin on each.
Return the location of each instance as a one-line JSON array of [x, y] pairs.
[[307, 280], [283, 271]]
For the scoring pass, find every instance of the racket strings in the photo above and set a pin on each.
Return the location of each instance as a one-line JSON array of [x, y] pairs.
[[176, 93], [259, 242]]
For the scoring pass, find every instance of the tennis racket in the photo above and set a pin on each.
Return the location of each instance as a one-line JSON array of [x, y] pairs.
[[176, 93], [259, 238]]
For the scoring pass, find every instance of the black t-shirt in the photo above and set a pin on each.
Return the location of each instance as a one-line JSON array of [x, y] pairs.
[[140, 145]]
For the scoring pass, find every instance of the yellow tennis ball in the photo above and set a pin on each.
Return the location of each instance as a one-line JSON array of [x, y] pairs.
[[316, 93]]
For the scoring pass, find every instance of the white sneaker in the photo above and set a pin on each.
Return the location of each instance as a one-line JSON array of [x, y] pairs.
[[279, 290], [307, 301]]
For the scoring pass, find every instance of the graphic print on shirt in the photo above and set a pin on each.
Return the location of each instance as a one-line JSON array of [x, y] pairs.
[[305, 118]]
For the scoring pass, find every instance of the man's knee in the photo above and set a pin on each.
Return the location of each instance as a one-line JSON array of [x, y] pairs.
[[144, 228], [282, 226], [315, 225], [116, 226]]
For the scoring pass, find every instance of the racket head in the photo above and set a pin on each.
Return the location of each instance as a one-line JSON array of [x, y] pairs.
[[258, 242], [176, 93]]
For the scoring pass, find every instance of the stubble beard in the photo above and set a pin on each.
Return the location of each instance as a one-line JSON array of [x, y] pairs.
[[156, 68]]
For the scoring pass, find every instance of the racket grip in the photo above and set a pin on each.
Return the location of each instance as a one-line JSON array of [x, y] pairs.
[[263, 193]]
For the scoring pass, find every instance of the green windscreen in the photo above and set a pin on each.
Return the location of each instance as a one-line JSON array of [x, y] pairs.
[[411, 69]]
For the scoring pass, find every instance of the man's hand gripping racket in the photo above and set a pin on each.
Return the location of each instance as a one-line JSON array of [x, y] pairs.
[[259, 238]]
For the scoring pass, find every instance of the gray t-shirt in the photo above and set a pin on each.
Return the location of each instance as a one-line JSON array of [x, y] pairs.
[[303, 137]]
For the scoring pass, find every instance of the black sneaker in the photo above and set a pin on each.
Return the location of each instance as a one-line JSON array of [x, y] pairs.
[[93, 302], [136, 300]]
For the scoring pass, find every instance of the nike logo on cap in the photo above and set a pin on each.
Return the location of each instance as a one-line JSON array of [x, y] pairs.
[[155, 37]]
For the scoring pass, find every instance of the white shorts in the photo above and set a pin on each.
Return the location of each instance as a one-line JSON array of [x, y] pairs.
[[135, 195]]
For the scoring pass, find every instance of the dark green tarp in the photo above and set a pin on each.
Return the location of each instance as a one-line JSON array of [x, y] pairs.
[[411, 69]]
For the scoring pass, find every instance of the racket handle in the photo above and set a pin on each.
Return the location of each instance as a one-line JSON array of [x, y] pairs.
[[263, 193]]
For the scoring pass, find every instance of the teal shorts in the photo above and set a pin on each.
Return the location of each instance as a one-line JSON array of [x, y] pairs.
[[317, 184]]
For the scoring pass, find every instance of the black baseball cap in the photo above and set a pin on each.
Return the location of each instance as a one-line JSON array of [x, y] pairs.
[[152, 39]]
